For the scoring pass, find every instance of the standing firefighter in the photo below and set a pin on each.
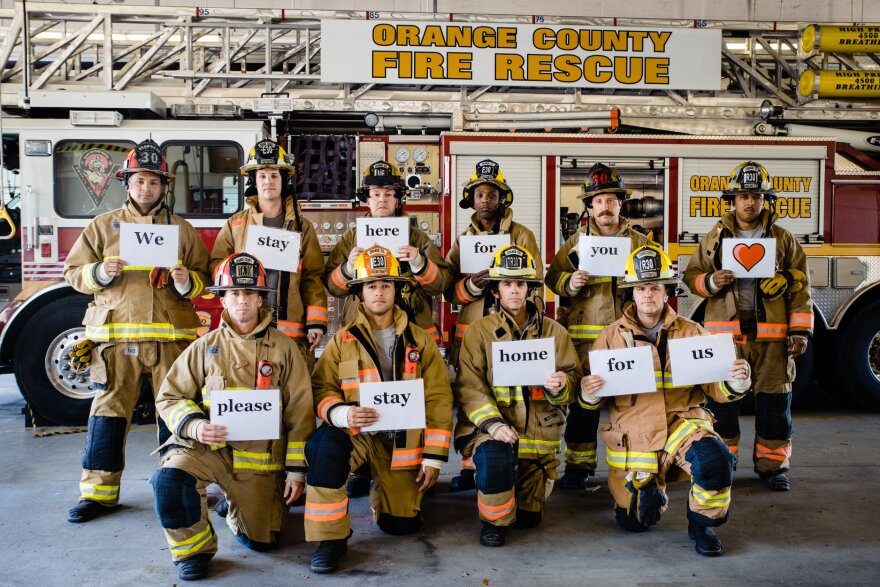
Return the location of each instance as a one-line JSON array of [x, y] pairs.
[[519, 428], [592, 303], [244, 353], [380, 344], [653, 437], [297, 301], [141, 319], [771, 319], [488, 193]]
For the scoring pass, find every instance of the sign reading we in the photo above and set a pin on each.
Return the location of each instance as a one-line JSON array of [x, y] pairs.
[[148, 245]]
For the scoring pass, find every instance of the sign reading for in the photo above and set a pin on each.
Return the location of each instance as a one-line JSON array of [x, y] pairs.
[[749, 257], [391, 233], [523, 362], [276, 249], [148, 245], [401, 404], [701, 359], [603, 255], [477, 250], [625, 371], [250, 414]]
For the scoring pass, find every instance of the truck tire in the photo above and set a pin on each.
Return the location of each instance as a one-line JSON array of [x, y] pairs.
[[42, 371], [859, 359]]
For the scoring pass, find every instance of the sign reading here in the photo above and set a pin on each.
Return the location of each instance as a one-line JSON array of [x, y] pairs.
[[701, 359], [391, 233], [625, 371], [523, 362], [250, 414], [276, 249], [603, 256], [401, 404], [478, 250], [148, 245], [749, 257]]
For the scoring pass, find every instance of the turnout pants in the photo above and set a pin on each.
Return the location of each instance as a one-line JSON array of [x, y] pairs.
[[696, 450], [507, 484], [256, 503], [332, 454], [581, 426], [117, 369], [773, 372]]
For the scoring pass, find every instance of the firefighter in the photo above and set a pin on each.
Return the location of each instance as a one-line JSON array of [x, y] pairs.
[[383, 191], [771, 318], [141, 319], [591, 304], [298, 301], [245, 352], [518, 429], [654, 438], [380, 344], [489, 195]]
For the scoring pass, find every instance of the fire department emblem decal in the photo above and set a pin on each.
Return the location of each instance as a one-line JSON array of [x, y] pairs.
[[95, 170]]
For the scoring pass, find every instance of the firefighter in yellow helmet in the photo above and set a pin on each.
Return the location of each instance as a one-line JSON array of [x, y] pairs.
[[489, 195], [257, 477], [771, 319], [517, 429], [297, 301], [380, 344], [141, 319], [591, 303], [653, 438]]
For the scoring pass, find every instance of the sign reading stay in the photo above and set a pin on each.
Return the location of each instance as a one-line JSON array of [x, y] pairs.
[[401, 404], [276, 249], [149, 245], [478, 250], [603, 256], [749, 257], [250, 414], [701, 359], [625, 371], [391, 233], [523, 362]]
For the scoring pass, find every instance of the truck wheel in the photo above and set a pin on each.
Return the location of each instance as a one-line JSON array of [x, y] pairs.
[[859, 359], [42, 371]]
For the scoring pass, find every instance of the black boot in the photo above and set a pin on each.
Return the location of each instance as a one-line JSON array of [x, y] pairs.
[[776, 481], [195, 568], [86, 510], [327, 555], [574, 478], [221, 508], [707, 542], [357, 486], [492, 536], [464, 481]]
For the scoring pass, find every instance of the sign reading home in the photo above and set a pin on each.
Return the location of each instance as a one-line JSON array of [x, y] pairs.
[[249, 414], [276, 249], [560, 56], [523, 362], [148, 245]]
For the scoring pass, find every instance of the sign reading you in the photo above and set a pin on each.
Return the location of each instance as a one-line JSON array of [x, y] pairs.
[[604, 256], [458, 54]]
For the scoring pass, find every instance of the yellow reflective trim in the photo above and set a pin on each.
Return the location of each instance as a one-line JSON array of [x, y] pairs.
[[256, 466], [632, 460], [484, 413], [191, 539], [86, 273], [719, 500]]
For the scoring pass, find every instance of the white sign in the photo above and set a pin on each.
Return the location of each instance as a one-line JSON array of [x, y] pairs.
[[701, 359], [250, 414], [401, 404], [603, 255], [749, 257], [276, 249], [149, 245], [494, 54], [391, 233], [625, 371], [523, 362], [477, 250]]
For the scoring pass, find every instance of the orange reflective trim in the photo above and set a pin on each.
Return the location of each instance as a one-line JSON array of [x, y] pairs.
[[495, 512], [429, 275], [406, 457], [439, 432], [772, 330], [459, 330], [316, 314], [325, 404], [467, 463], [325, 512], [798, 319], [339, 279], [435, 334], [784, 451], [462, 293], [350, 384], [700, 285], [369, 376], [723, 327], [437, 437], [292, 329], [734, 449]]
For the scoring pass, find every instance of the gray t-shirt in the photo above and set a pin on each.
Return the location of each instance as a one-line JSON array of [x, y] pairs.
[[652, 332], [273, 276], [385, 342], [747, 288]]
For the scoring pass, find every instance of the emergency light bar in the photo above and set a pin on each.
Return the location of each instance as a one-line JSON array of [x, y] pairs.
[[95, 118]]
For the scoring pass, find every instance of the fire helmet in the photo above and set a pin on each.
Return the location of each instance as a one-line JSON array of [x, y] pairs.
[[384, 175], [146, 156], [239, 271], [376, 263], [514, 263], [602, 179], [267, 155], [648, 264], [749, 177], [487, 172]]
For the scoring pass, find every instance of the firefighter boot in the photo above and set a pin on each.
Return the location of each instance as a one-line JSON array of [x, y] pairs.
[[195, 568], [777, 481], [574, 478], [491, 535], [86, 510], [221, 508], [464, 481], [327, 555], [707, 542]]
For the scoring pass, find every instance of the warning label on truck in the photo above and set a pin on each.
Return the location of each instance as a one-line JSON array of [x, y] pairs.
[[797, 184]]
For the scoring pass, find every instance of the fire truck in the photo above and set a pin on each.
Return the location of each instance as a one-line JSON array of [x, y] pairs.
[[60, 174]]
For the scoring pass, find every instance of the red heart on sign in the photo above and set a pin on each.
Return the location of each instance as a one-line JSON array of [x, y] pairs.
[[748, 255]]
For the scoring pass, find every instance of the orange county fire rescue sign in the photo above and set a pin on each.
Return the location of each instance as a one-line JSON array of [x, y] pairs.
[[520, 54]]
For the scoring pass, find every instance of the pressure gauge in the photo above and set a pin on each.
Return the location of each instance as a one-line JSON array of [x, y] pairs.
[[402, 155], [420, 154], [340, 225], [424, 225], [325, 225]]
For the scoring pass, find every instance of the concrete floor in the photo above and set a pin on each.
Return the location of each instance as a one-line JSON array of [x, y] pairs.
[[825, 531]]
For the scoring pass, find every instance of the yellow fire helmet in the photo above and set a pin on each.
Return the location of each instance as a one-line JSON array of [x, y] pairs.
[[374, 264], [513, 263], [749, 177], [488, 172], [267, 154], [648, 264]]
